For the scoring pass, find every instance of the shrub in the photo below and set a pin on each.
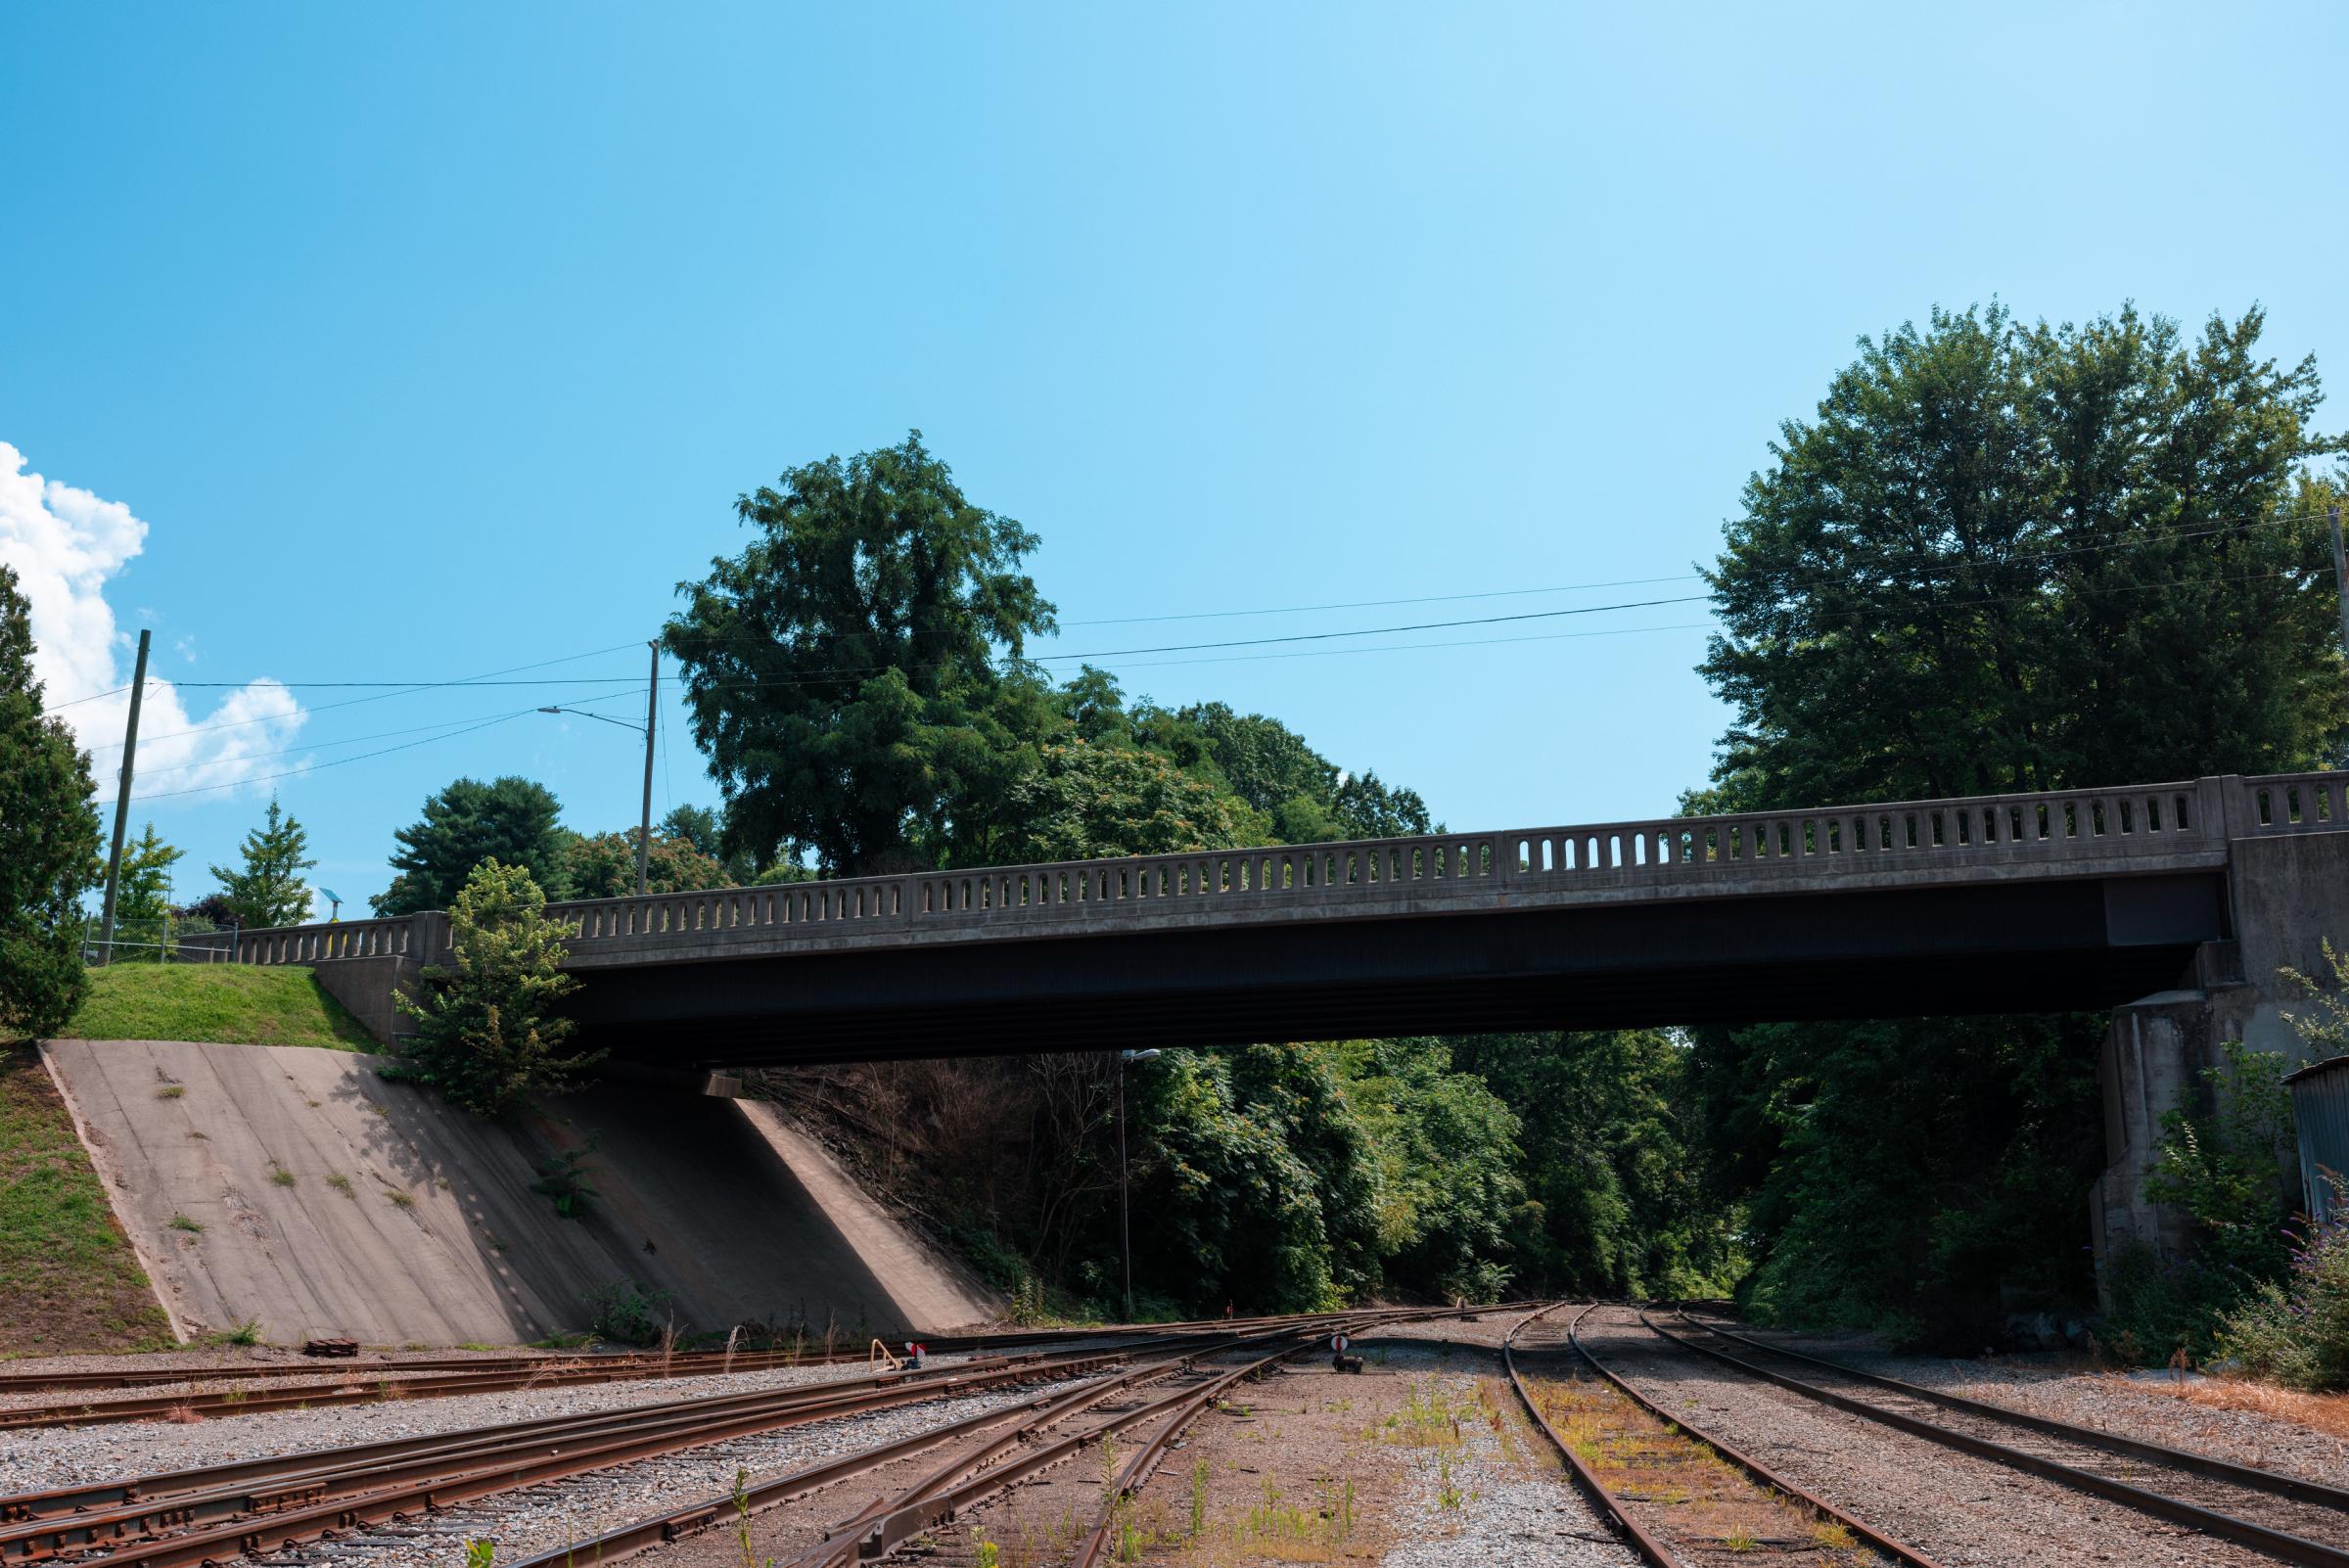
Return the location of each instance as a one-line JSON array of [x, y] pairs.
[[489, 1038], [564, 1178], [2296, 1333], [627, 1314]]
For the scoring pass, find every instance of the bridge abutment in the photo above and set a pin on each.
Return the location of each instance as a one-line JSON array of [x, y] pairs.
[[2288, 894]]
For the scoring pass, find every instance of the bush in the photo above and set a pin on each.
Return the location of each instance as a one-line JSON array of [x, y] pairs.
[[2297, 1332], [627, 1314], [489, 1039]]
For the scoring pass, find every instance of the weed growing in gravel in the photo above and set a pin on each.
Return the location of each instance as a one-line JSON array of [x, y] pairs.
[[1740, 1540], [985, 1552], [479, 1553], [1427, 1419], [1833, 1536]]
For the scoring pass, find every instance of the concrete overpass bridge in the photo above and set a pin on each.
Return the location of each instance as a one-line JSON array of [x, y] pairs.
[[2171, 905]]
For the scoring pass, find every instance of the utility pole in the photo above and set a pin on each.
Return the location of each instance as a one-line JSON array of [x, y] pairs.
[[2340, 579], [644, 826], [130, 754]]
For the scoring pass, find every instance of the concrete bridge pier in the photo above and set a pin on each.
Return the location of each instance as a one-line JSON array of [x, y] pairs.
[[2288, 893]]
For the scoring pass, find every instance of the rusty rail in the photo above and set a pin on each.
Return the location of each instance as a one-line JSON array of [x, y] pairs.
[[2246, 1532]]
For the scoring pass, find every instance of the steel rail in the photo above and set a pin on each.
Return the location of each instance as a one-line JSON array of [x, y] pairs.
[[2217, 1469], [382, 1390], [1898, 1550], [599, 1442], [760, 1496], [302, 1466], [883, 1527], [488, 1374], [2244, 1531], [1610, 1507]]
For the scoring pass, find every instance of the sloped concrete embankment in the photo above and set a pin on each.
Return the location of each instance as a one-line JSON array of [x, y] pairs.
[[295, 1187]]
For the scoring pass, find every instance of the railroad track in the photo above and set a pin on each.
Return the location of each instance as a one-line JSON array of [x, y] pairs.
[[1656, 1534], [211, 1514], [1003, 1449], [2283, 1516], [374, 1381]]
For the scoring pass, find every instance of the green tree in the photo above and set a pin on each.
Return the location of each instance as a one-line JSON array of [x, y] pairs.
[[2007, 558], [48, 840], [854, 674], [267, 888], [489, 1034], [1611, 1161], [1083, 800], [1302, 796], [510, 820], [603, 865], [143, 886], [705, 830], [1449, 1193], [1999, 558]]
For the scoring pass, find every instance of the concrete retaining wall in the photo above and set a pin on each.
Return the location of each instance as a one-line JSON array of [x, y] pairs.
[[405, 1221]]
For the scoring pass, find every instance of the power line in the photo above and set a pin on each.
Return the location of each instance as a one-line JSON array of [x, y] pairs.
[[352, 702], [1382, 604], [295, 773], [52, 708]]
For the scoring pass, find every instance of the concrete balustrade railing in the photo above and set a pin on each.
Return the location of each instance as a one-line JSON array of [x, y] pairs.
[[2055, 833]]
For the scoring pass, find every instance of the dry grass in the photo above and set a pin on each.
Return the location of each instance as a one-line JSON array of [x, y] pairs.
[[2322, 1413]]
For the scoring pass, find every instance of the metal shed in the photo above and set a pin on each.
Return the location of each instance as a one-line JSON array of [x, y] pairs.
[[2321, 1108]]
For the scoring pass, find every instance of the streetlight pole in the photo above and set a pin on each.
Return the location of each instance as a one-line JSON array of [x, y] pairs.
[[644, 824]]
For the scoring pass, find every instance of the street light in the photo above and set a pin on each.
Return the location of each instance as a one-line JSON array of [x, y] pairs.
[[1126, 1059], [644, 826]]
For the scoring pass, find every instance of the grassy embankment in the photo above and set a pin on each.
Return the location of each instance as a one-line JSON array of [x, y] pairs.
[[229, 1005], [68, 1280]]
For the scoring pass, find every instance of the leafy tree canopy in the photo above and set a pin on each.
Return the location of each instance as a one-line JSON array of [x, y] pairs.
[[510, 819], [488, 1037], [267, 888], [603, 865], [2005, 557], [1086, 800], [48, 840], [854, 674]]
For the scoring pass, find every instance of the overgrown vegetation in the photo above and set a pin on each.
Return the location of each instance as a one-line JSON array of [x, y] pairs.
[[628, 1314], [68, 1279], [243, 1004], [489, 1038]]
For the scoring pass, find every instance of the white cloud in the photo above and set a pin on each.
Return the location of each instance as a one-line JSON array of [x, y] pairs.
[[65, 546]]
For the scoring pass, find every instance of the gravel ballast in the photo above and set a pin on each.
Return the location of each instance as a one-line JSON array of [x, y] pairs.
[[1967, 1512], [35, 1458]]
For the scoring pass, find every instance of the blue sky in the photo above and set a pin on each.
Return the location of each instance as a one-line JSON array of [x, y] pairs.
[[435, 340]]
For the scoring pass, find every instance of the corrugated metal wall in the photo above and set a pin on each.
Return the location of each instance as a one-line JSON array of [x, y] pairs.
[[2320, 1107]]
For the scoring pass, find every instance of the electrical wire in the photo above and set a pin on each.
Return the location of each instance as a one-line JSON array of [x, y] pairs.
[[296, 773], [353, 702]]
